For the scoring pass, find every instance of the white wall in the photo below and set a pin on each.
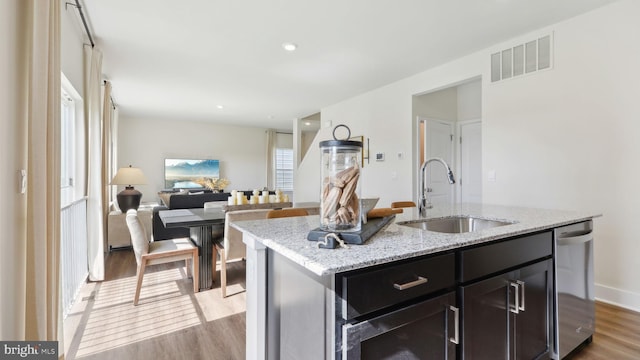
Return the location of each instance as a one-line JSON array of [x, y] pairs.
[[570, 138], [565, 138], [441, 105], [145, 143], [470, 101], [12, 159], [71, 42], [384, 115]]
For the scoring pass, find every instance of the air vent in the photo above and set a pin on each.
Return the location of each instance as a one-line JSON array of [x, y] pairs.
[[521, 59]]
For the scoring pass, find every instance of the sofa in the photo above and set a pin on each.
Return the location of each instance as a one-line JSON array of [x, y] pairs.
[[183, 200]]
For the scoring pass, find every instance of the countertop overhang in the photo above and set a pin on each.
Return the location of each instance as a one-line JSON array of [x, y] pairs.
[[288, 236]]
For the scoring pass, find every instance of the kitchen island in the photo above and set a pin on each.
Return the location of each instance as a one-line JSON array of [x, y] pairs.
[[303, 301]]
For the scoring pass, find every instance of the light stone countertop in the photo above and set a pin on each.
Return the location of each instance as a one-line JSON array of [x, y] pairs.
[[288, 236]]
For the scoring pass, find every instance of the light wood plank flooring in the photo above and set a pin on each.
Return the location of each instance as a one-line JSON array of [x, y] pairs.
[[617, 335], [171, 322]]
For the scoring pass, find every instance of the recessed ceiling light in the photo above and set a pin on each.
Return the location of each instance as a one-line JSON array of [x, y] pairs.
[[307, 123], [220, 106], [289, 46]]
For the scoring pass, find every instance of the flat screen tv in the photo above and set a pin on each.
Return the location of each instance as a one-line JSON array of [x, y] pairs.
[[182, 173]]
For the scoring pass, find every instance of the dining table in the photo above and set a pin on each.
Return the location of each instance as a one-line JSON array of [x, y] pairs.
[[201, 223]]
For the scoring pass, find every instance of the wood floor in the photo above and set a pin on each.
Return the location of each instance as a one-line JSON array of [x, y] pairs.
[[171, 322], [617, 335]]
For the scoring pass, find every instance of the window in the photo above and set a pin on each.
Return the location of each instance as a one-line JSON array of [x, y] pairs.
[[284, 169], [70, 130], [66, 140]]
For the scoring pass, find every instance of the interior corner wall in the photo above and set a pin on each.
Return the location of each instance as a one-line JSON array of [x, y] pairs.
[[12, 158], [145, 143]]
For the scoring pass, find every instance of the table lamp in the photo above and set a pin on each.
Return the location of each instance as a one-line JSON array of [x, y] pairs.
[[129, 198]]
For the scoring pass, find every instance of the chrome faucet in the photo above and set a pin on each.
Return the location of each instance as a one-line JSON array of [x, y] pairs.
[[424, 204]]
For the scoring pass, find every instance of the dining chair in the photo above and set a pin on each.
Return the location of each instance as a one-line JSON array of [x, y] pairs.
[[274, 214], [402, 204], [232, 247], [159, 252]]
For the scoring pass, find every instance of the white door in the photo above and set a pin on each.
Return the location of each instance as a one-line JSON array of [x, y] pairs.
[[439, 143], [470, 177]]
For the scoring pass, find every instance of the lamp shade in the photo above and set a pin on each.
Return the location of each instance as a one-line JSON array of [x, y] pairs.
[[129, 198], [129, 176]]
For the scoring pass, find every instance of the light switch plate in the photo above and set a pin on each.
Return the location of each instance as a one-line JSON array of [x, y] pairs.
[[491, 175]]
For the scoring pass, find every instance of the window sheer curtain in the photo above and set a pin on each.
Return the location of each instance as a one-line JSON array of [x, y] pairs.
[[95, 178], [41, 315], [109, 130]]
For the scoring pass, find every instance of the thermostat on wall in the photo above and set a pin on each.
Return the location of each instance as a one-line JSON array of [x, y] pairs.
[[379, 156]]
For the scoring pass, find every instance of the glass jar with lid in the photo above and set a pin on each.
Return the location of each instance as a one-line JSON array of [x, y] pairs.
[[340, 184]]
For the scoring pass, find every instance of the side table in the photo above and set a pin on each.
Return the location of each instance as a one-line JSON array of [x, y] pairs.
[[118, 235]]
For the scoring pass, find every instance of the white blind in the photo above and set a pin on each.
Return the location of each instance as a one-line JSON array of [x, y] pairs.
[[284, 169]]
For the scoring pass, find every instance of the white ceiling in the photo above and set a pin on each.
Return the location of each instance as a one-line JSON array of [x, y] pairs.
[[180, 59]]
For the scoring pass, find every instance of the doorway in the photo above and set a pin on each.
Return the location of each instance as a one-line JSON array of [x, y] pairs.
[[449, 126], [437, 142]]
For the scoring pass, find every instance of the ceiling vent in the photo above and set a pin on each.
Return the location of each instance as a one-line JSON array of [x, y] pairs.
[[522, 59]]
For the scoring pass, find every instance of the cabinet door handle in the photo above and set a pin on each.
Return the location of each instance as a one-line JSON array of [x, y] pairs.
[[421, 280], [574, 240], [516, 308], [456, 325], [522, 292]]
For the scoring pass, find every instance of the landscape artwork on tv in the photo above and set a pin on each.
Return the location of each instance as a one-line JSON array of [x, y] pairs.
[[182, 173]]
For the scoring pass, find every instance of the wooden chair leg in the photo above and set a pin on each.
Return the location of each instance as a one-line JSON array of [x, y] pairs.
[[214, 259], [187, 265], [139, 282], [223, 272], [196, 271]]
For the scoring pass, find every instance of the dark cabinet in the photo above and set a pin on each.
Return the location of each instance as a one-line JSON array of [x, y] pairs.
[[509, 316], [426, 330], [404, 310]]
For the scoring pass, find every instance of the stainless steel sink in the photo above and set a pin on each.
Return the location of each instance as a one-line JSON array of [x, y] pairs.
[[455, 224]]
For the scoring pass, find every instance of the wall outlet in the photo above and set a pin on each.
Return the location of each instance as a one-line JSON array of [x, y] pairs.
[[379, 156]]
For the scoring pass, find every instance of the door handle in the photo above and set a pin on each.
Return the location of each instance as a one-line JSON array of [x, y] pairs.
[[522, 292], [421, 280], [575, 240], [456, 325], [516, 308]]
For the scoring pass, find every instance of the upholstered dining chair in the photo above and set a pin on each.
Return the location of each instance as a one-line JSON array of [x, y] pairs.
[[290, 212], [402, 204], [159, 252], [232, 247]]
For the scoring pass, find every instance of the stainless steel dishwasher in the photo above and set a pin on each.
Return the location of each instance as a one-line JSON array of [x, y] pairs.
[[575, 299]]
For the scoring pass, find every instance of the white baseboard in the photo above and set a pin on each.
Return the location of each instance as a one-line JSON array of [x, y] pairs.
[[623, 298]]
